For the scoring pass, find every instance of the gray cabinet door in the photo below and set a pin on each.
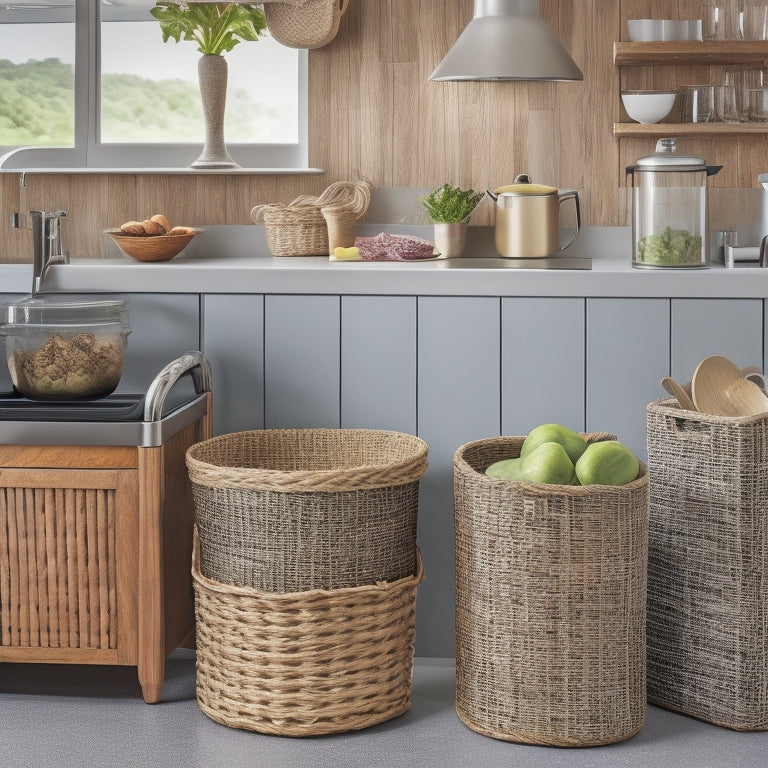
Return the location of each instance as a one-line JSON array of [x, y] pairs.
[[703, 327], [378, 362], [458, 401], [302, 354], [542, 363], [163, 326], [628, 354], [233, 342]]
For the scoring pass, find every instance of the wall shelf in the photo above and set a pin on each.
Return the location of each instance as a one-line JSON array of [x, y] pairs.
[[690, 52], [712, 130]]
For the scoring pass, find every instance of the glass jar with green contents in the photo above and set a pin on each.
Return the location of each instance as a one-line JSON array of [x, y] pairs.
[[669, 209]]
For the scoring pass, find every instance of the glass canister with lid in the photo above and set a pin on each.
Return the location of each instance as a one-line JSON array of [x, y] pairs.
[[62, 347], [669, 209]]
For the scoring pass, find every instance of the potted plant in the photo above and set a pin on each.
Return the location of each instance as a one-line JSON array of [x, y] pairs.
[[449, 208], [216, 28]]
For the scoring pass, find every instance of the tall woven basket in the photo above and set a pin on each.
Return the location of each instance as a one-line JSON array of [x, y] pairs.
[[287, 510], [708, 565], [304, 663], [550, 604]]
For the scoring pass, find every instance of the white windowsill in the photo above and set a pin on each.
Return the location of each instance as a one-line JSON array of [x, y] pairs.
[[169, 171]]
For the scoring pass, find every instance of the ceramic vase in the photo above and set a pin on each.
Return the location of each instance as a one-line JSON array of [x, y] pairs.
[[450, 239], [212, 73]]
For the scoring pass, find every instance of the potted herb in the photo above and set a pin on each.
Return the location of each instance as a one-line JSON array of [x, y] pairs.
[[449, 208], [216, 28]]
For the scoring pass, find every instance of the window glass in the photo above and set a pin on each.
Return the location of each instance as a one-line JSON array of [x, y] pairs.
[[37, 75], [155, 96], [89, 84]]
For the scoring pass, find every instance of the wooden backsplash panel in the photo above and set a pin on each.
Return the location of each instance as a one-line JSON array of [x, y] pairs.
[[374, 112]]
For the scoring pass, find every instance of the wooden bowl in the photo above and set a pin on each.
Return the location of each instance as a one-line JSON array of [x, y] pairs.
[[151, 247]]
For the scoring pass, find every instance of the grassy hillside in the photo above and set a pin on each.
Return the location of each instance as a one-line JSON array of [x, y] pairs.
[[37, 108]]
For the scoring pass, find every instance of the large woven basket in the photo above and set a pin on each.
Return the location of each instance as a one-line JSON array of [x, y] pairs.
[[300, 227], [550, 604], [708, 565], [306, 663], [286, 510]]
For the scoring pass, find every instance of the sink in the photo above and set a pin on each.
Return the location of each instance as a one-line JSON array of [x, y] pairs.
[[498, 262]]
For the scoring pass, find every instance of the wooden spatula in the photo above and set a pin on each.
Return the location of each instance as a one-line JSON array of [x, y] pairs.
[[680, 391]]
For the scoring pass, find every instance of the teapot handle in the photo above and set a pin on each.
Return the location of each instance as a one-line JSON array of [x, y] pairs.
[[572, 194]]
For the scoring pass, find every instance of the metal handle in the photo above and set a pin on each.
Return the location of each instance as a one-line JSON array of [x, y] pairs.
[[194, 363], [574, 195]]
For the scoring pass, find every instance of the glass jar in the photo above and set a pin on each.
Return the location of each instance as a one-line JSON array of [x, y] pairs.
[[61, 347], [669, 209]]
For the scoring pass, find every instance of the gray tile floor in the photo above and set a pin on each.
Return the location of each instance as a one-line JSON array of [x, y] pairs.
[[94, 717]]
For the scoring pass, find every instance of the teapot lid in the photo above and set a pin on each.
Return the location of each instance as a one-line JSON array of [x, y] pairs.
[[523, 186]]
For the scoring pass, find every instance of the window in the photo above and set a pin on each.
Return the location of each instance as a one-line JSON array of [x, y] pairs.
[[92, 84]]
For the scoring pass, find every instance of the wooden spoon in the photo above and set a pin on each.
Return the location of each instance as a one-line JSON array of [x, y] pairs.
[[719, 389], [680, 391]]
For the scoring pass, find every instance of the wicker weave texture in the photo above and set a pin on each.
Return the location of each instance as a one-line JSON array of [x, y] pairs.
[[300, 228], [305, 663], [550, 604], [708, 565], [300, 509], [309, 24]]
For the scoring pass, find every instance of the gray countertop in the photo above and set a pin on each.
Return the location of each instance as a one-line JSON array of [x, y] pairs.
[[235, 259]]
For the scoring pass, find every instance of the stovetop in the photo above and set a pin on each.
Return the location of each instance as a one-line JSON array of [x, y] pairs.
[[176, 398], [115, 407]]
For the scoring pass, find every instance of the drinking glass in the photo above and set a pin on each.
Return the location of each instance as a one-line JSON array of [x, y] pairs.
[[745, 80], [755, 20], [726, 105], [698, 103], [720, 20], [757, 99]]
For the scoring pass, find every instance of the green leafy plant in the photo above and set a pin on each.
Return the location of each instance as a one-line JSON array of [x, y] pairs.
[[216, 27], [451, 205]]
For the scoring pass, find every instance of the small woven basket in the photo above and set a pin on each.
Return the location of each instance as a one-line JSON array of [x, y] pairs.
[[300, 227], [305, 663], [550, 604], [286, 510], [708, 565]]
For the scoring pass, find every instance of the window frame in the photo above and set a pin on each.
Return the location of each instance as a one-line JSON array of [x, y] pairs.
[[90, 153]]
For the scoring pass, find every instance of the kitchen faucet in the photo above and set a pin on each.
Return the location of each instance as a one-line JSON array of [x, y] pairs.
[[46, 238]]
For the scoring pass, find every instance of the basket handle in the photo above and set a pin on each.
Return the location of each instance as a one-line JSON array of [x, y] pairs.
[[310, 200], [257, 213], [353, 195]]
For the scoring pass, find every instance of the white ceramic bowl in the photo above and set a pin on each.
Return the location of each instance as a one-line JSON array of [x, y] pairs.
[[648, 106]]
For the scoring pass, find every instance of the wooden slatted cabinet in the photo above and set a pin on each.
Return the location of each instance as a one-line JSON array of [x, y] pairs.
[[95, 553]]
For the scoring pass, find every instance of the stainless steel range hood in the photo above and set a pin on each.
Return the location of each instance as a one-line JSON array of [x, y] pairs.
[[507, 40]]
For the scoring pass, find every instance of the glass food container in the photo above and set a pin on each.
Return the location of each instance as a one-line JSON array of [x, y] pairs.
[[669, 209], [65, 347]]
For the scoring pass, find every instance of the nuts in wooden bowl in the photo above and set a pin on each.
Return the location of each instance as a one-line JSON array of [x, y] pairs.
[[153, 239]]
